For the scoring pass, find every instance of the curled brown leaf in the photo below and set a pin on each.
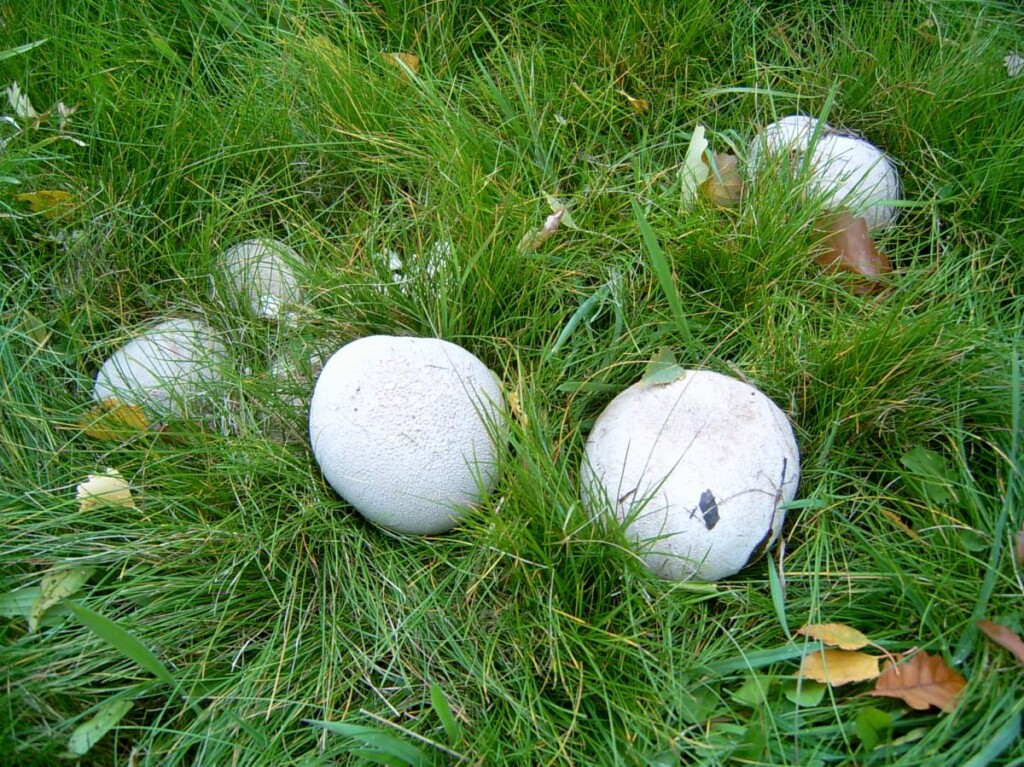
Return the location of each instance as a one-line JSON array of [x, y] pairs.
[[724, 185], [921, 682], [849, 247], [1004, 637]]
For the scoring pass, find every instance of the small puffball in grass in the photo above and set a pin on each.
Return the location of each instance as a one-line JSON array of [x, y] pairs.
[[404, 430], [263, 272], [167, 370], [697, 469], [849, 172]]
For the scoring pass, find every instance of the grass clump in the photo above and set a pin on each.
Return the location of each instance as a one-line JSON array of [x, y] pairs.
[[290, 631]]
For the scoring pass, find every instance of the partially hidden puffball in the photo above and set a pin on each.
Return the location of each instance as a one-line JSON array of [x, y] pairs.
[[167, 370], [404, 430], [264, 274], [849, 172], [697, 470]]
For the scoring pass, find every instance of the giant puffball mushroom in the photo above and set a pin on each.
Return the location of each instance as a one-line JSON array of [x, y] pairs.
[[404, 429], [697, 469], [850, 173], [166, 370], [263, 273]]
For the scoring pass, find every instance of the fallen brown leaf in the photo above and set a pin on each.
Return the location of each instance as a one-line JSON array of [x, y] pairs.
[[1020, 547], [724, 185], [835, 635], [849, 247], [921, 682], [1004, 637], [836, 667]]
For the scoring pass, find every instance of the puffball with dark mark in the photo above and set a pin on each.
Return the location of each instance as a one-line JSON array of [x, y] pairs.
[[697, 470], [404, 430], [263, 273], [849, 172], [167, 370]]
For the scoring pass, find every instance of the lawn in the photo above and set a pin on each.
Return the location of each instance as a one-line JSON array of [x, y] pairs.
[[238, 612]]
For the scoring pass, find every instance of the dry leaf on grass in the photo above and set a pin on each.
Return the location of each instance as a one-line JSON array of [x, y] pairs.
[[835, 635], [837, 667], [1020, 547], [50, 202], [921, 682], [405, 62], [109, 488], [113, 420], [1004, 637], [848, 247], [640, 105], [724, 185]]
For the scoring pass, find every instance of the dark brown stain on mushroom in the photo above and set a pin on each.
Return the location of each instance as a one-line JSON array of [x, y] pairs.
[[709, 509]]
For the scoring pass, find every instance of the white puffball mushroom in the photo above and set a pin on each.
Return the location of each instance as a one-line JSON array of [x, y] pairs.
[[847, 171], [856, 175], [788, 134], [263, 272], [697, 469], [404, 430], [166, 370]]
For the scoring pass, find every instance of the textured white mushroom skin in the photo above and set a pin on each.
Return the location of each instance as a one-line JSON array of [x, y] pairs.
[[847, 171], [697, 469], [263, 273], [402, 430], [166, 370]]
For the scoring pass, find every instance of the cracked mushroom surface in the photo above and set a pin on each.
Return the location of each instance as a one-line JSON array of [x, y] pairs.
[[404, 430], [697, 470]]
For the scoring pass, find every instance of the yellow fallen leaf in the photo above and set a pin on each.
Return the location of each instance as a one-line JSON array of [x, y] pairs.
[[405, 62], [56, 585], [640, 105], [836, 667], [109, 488], [835, 635], [113, 420], [49, 202]]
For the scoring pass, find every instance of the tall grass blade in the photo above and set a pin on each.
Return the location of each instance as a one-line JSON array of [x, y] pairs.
[[116, 636]]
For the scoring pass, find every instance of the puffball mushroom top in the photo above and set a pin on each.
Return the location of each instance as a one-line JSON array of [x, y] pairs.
[[166, 370], [403, 429], [264, 273], [697, 469], [848, 171]]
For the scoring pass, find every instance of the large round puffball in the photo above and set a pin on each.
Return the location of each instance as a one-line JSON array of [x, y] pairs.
[[697, 470], [263, 273], [166, 370], [847, 171], [404, 430]]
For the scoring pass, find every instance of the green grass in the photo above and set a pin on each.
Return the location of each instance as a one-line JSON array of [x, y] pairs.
[[281, 624]]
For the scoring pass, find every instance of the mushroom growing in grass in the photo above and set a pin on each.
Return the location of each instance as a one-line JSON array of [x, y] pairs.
[[849, 172], [263, 273], [405, 430], [167, 370], [698, 470]]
